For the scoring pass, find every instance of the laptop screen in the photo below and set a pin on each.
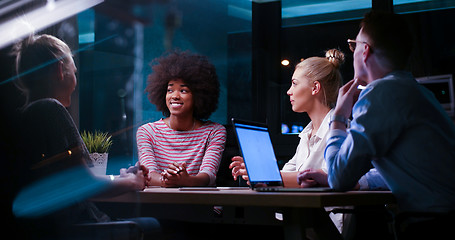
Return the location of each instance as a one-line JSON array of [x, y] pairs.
[[258, 154]]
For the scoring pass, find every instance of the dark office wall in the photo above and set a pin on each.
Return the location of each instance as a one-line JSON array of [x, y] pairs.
[[434, 51], [239, 76]]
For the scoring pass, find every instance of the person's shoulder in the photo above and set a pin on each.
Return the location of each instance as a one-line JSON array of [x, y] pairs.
[[50, 116], [214, 125], [392, 86], [215, 129], [45, 107], [45, 103], [394, 79], [152, 125]]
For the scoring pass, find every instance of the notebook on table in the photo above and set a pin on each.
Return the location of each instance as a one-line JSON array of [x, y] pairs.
[[260, 162]]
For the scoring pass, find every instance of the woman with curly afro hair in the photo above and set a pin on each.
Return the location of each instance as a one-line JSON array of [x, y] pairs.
[[184, 148]]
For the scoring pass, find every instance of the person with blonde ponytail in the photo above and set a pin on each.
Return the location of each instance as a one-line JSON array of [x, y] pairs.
[[314, 90], [55, 183]]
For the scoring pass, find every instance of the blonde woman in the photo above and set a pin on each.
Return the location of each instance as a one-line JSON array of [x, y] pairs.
[[52, 150], [314, 90]]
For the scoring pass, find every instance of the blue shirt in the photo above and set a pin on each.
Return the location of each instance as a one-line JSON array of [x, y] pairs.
[[402, 130]]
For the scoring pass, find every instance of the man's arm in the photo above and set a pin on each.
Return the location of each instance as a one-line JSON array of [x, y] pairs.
[[372, 180], [343, 173]]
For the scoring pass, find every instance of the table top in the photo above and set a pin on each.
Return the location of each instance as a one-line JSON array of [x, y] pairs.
[[247, 197]]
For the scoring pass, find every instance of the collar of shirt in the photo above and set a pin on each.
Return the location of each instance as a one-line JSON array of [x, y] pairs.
[[399, 75], [395, 75], [322, 129]]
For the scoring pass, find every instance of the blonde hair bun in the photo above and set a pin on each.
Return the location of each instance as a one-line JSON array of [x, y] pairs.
[[335, 56]]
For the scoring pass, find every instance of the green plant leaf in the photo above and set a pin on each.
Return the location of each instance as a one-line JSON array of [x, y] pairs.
[[97, 141]]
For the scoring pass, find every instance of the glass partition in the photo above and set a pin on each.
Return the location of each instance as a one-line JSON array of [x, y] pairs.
[[412, 6], [295, 13]]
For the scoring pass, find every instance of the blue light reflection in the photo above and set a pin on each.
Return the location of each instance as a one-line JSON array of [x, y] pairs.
[[57, 192]]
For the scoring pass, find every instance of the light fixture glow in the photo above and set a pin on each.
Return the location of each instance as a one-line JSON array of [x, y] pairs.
[[13, 29], [50, 6], [285, 62]]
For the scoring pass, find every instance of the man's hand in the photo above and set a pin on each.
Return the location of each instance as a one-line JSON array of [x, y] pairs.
[[347, 97], [134, 181], [312, 178]]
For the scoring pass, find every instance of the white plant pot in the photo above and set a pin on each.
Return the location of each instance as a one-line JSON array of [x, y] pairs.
[[99, 163]]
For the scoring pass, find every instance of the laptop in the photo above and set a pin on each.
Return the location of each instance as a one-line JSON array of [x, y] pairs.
[[260, 162]]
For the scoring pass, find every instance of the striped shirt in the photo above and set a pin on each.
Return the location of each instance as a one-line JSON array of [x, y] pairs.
[[201, 148]]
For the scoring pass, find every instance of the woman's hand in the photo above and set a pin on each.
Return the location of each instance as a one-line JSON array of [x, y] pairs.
[[312, 178], [176, 175], [238, 168]]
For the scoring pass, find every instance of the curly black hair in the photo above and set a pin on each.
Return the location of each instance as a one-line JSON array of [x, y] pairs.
[[195, 71]]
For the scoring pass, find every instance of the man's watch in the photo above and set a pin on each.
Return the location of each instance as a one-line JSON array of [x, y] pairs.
[[339, 118]]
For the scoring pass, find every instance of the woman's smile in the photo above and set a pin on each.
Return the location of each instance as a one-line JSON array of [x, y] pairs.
[[179, 97]]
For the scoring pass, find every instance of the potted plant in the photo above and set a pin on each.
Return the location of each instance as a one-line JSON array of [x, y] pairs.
[[98, 144]]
